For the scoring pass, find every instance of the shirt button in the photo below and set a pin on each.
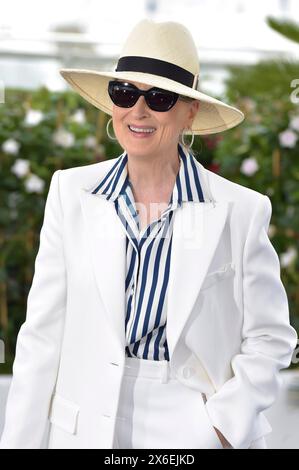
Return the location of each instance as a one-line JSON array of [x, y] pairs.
[[188, 372]]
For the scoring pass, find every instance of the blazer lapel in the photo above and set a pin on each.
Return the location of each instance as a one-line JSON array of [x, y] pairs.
[[107, 239], [196, 232], [197, 228]]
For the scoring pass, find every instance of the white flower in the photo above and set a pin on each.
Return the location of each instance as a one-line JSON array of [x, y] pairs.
[[34, 184], [63, 138], [272, 230], [249, 166], [33, 117], [79, 116], [288, 257], [11, 146], [21, 167], [288, 138], [294, 123], [90, 142]]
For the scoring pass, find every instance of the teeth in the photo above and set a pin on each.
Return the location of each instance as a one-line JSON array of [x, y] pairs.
[[135, 129]]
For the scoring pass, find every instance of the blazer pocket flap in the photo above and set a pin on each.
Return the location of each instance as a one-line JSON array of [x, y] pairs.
[[64, 413], [225, 271]]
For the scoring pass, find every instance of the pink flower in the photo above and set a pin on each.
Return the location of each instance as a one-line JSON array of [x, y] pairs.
[[288, 257], [288, 138], [249, 166]]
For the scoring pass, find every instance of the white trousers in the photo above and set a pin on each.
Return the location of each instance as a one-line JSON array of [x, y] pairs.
[[156, 411]]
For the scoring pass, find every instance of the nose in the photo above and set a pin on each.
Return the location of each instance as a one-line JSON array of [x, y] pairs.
[[140, 105]]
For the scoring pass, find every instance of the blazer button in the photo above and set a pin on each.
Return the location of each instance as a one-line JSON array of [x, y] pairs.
[[187, 372]]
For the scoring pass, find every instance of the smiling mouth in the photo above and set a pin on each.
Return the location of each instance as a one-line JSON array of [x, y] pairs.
[[142, 131]]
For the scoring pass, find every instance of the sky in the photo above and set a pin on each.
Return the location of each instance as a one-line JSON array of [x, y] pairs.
[[237, 33], [237, 20]]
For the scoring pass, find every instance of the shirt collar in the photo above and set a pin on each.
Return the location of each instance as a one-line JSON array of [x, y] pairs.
[[187, 186]]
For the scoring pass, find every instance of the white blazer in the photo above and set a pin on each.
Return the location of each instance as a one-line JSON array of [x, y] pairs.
[[228, 327]]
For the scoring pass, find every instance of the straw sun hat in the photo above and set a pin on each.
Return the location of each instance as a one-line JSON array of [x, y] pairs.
[[163, 55]]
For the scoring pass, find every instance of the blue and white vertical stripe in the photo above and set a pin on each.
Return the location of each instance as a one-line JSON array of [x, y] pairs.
[[148, 254]]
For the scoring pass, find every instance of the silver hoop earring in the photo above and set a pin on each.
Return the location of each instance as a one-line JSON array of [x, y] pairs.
[[192, 140], [107, 130]]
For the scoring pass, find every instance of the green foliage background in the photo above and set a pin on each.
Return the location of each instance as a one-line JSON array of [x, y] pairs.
[[268, 95]]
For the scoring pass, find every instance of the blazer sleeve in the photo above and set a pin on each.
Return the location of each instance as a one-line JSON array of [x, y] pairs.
[[39, 339], [268, 339]]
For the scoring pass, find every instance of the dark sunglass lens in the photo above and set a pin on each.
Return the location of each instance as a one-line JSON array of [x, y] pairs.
[[161, 100], [122, 95]]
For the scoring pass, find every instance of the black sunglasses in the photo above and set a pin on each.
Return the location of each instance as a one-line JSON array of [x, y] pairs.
[[126, 94]]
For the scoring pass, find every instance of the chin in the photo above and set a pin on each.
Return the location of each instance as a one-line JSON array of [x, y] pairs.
[[140, 144]]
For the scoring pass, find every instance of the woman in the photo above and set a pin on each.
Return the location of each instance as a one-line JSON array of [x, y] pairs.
[[156, 298]]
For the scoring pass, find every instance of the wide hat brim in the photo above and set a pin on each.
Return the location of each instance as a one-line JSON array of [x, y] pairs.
[[212, 117]]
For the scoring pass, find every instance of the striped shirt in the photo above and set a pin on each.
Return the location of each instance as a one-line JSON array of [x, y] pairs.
[[148, 254]]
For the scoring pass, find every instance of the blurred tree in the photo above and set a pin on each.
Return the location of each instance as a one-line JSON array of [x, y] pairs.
[[288, 29]]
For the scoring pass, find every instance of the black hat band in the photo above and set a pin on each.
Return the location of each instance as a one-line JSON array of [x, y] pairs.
[[157, 67]]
